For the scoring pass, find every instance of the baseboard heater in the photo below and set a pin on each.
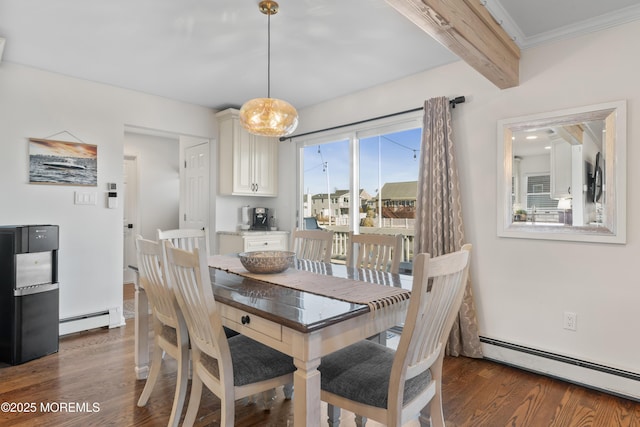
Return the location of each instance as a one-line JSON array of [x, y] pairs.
[[111, 318], [588, 374]]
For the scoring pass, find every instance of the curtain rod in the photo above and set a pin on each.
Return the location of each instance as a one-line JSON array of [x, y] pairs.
[[452, 102]]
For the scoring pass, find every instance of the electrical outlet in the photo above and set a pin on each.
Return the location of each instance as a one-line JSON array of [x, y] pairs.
[[570, 321]]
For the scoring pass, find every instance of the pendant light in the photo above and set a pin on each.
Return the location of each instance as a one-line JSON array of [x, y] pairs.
[[268, 116]]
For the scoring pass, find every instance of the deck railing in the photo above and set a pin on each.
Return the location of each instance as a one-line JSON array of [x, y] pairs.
[[341, 240]]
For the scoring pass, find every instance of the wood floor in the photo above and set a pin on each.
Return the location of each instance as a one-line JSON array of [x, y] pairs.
[[93, 376]]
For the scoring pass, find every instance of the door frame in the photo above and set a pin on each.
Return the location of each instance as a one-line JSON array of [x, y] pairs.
[[128, 275]]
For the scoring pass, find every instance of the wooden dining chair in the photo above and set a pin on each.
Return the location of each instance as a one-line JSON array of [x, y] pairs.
[[392, 387], [170, 330], [379, 252], [375, 251], [231, 368], [313, 245], [186, 238]]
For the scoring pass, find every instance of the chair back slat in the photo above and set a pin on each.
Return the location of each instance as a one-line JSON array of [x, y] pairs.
[[375, 251], [313, 245], [151, 276]]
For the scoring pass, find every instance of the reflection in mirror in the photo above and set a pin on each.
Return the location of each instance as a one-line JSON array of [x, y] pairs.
[[563, 175]]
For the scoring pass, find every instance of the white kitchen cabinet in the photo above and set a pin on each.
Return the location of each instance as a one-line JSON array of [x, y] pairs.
[[250, 241], [248, 164]]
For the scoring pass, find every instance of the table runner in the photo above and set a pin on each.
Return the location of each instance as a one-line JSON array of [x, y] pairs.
[[349, 290]]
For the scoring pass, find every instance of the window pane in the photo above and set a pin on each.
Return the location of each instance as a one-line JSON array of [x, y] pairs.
[[540, 205], [389, 185], [326, 180]]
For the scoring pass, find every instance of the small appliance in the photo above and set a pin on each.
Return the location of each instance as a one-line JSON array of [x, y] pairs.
[[29, 292], [260, 219]]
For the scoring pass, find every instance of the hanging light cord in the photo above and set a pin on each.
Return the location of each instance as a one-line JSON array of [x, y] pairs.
[[269, 54]]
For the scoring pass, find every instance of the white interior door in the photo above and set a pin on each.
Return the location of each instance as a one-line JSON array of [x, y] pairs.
[[130, 216], [195, 209]]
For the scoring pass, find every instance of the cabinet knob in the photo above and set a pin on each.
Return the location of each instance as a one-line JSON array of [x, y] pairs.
[[245, 320]]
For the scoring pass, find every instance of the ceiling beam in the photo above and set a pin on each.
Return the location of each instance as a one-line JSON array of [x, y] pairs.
[[467, 29]]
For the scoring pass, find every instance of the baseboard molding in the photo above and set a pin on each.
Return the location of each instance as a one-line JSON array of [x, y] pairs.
[[111, 318], [592, 375]]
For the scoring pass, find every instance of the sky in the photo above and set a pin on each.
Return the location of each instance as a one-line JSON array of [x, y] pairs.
[[62, 148], [397, 164]]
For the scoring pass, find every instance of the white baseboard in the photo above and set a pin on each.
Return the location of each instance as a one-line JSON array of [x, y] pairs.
[[116, 317], [611, 380], [112, 318], [71, 326]]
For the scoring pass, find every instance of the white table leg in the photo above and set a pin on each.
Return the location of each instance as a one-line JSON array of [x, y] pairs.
[[141, 332], [306, 383]]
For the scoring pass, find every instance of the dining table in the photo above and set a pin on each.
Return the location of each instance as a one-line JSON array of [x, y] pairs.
[[308, 311]]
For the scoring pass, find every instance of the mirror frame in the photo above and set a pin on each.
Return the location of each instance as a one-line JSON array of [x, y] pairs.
[[615, 149]]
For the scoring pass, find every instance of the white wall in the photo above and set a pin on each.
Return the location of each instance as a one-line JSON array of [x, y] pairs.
[[522, 287], [158, 181], [34, 103]]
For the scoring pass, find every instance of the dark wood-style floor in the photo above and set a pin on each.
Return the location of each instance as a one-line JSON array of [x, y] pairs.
[[93, 375]]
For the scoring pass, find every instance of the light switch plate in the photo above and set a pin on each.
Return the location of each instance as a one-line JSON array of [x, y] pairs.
[[86, 198]]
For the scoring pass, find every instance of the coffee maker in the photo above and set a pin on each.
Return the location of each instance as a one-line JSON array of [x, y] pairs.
[[260, 219]]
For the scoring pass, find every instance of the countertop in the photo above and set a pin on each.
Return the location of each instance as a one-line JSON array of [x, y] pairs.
[[252, 232]]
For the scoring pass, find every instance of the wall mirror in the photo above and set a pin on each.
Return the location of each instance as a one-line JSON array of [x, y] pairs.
[[562, 175]]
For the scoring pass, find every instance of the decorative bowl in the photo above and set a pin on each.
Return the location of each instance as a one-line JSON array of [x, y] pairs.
[[267, 262]]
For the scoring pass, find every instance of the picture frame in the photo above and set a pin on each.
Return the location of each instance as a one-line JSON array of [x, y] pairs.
[[62, 162]]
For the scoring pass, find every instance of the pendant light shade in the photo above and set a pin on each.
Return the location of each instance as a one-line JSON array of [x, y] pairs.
[[268, 116]]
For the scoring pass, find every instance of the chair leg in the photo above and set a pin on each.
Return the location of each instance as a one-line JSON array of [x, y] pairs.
[[333, 415], [181, 386], [194, 402], [268, 397], [154, 373], [227, 412], [360, 420], [431, 415], [288, 391]]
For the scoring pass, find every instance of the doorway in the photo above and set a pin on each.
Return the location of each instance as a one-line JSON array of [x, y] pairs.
[[130, 219], [165, 185]]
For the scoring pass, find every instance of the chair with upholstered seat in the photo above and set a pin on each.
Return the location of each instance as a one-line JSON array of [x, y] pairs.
[[170, 330], [186, 238], [379, 252], [375, 251], [231, 368], [392, 387], [189, 239], [313, 245]]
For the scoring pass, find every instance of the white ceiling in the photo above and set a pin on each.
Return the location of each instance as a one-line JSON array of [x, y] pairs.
[[214, 52]]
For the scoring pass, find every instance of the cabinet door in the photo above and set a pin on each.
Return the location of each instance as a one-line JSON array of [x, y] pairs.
[[265, 172], [243, 182], [248, 164]]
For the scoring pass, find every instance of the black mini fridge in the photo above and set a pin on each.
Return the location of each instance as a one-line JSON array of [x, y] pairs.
[[29, 292]]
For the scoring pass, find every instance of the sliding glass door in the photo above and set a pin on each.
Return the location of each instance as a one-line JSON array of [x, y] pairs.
[[364, 181]]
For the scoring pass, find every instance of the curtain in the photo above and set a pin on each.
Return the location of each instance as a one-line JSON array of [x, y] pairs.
[[439, 226]]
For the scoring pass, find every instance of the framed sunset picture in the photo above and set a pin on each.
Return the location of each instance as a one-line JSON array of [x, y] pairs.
[[62, 162]]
